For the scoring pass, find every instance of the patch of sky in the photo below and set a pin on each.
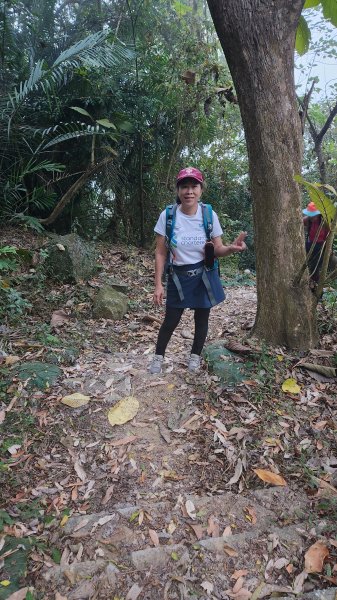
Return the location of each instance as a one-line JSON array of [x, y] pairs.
[[320, 62]]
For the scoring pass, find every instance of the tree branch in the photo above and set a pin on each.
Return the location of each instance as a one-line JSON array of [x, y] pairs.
[[327, 123], [68, 196]]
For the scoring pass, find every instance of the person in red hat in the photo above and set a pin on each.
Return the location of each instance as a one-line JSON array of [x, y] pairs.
[[190, 283], [316, 233]]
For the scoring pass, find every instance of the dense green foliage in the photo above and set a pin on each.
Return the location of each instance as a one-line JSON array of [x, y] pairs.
[[99, 92], [102, 103]]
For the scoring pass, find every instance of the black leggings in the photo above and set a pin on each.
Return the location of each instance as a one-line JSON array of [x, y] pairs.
[[172, 318]]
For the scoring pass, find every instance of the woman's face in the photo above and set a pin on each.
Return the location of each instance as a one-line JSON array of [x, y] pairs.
[[189, 193]]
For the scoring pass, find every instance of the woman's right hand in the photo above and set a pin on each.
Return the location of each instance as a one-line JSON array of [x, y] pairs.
[[158, 294]]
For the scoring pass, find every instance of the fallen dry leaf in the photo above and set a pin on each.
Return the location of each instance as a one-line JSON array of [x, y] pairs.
[[237, 473], [240, 573], [314, 557], [198, 530], [154, 537], [108, 494], [238, 348], [207, 586], [213, 527], [123, 441], [59, 318], [321, 369], [133, 592], [190, 509], [299, 582], [123, 411], [252, 514], [80, 471], [102, 521], [11, 360], [270, 477], [230, 551], [75, 400], [325, 488]]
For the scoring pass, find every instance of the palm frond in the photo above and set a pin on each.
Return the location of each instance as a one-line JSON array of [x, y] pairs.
[[89, 52], [85, 131], [89, 42]]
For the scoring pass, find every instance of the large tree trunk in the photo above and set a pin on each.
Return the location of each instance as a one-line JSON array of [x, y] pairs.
[[258, 40]]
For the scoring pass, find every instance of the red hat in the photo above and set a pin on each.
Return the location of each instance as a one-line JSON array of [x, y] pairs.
[[311, 210], [190, 173]]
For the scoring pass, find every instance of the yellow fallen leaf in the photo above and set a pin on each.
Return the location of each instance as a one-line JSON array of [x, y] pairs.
[[270, 477], [171, 386], [314, 557], [5, 582], [75, 400], [290, 385], [123, 411], [64, 520], [280, 357]]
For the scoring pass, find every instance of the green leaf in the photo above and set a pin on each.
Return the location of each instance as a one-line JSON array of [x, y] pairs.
[[323, 203], [311, 3], [303, 36], [330, 10], [82, 111], [106, 123]]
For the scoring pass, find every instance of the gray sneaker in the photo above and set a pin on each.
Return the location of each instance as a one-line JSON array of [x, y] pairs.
[[156, 364], [194, 363]]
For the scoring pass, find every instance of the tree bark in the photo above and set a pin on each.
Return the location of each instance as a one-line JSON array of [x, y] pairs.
[[258, 39]]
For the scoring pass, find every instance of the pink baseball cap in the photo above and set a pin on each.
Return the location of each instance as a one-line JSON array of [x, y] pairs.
[[191, 173]]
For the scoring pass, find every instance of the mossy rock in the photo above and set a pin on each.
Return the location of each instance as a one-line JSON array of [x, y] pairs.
[[110, 304], [70, 259]]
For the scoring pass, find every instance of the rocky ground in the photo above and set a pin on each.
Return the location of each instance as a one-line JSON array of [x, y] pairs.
[[216, 487]]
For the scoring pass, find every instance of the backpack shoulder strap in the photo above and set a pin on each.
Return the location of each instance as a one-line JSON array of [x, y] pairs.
[[171, 210], [207, 217]]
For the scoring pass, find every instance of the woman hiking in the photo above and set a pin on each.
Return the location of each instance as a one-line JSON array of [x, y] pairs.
[[316, 233], [193, 277]]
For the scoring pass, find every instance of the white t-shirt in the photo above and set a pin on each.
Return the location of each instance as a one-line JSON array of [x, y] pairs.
[[189, 235]]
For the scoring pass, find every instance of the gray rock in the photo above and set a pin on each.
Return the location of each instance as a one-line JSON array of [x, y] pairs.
[[119, 286], [85, 590], [75, 263], [81, 526], [156, 558], [110, 304], [76, 571], [111, 576], [329, 594]]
